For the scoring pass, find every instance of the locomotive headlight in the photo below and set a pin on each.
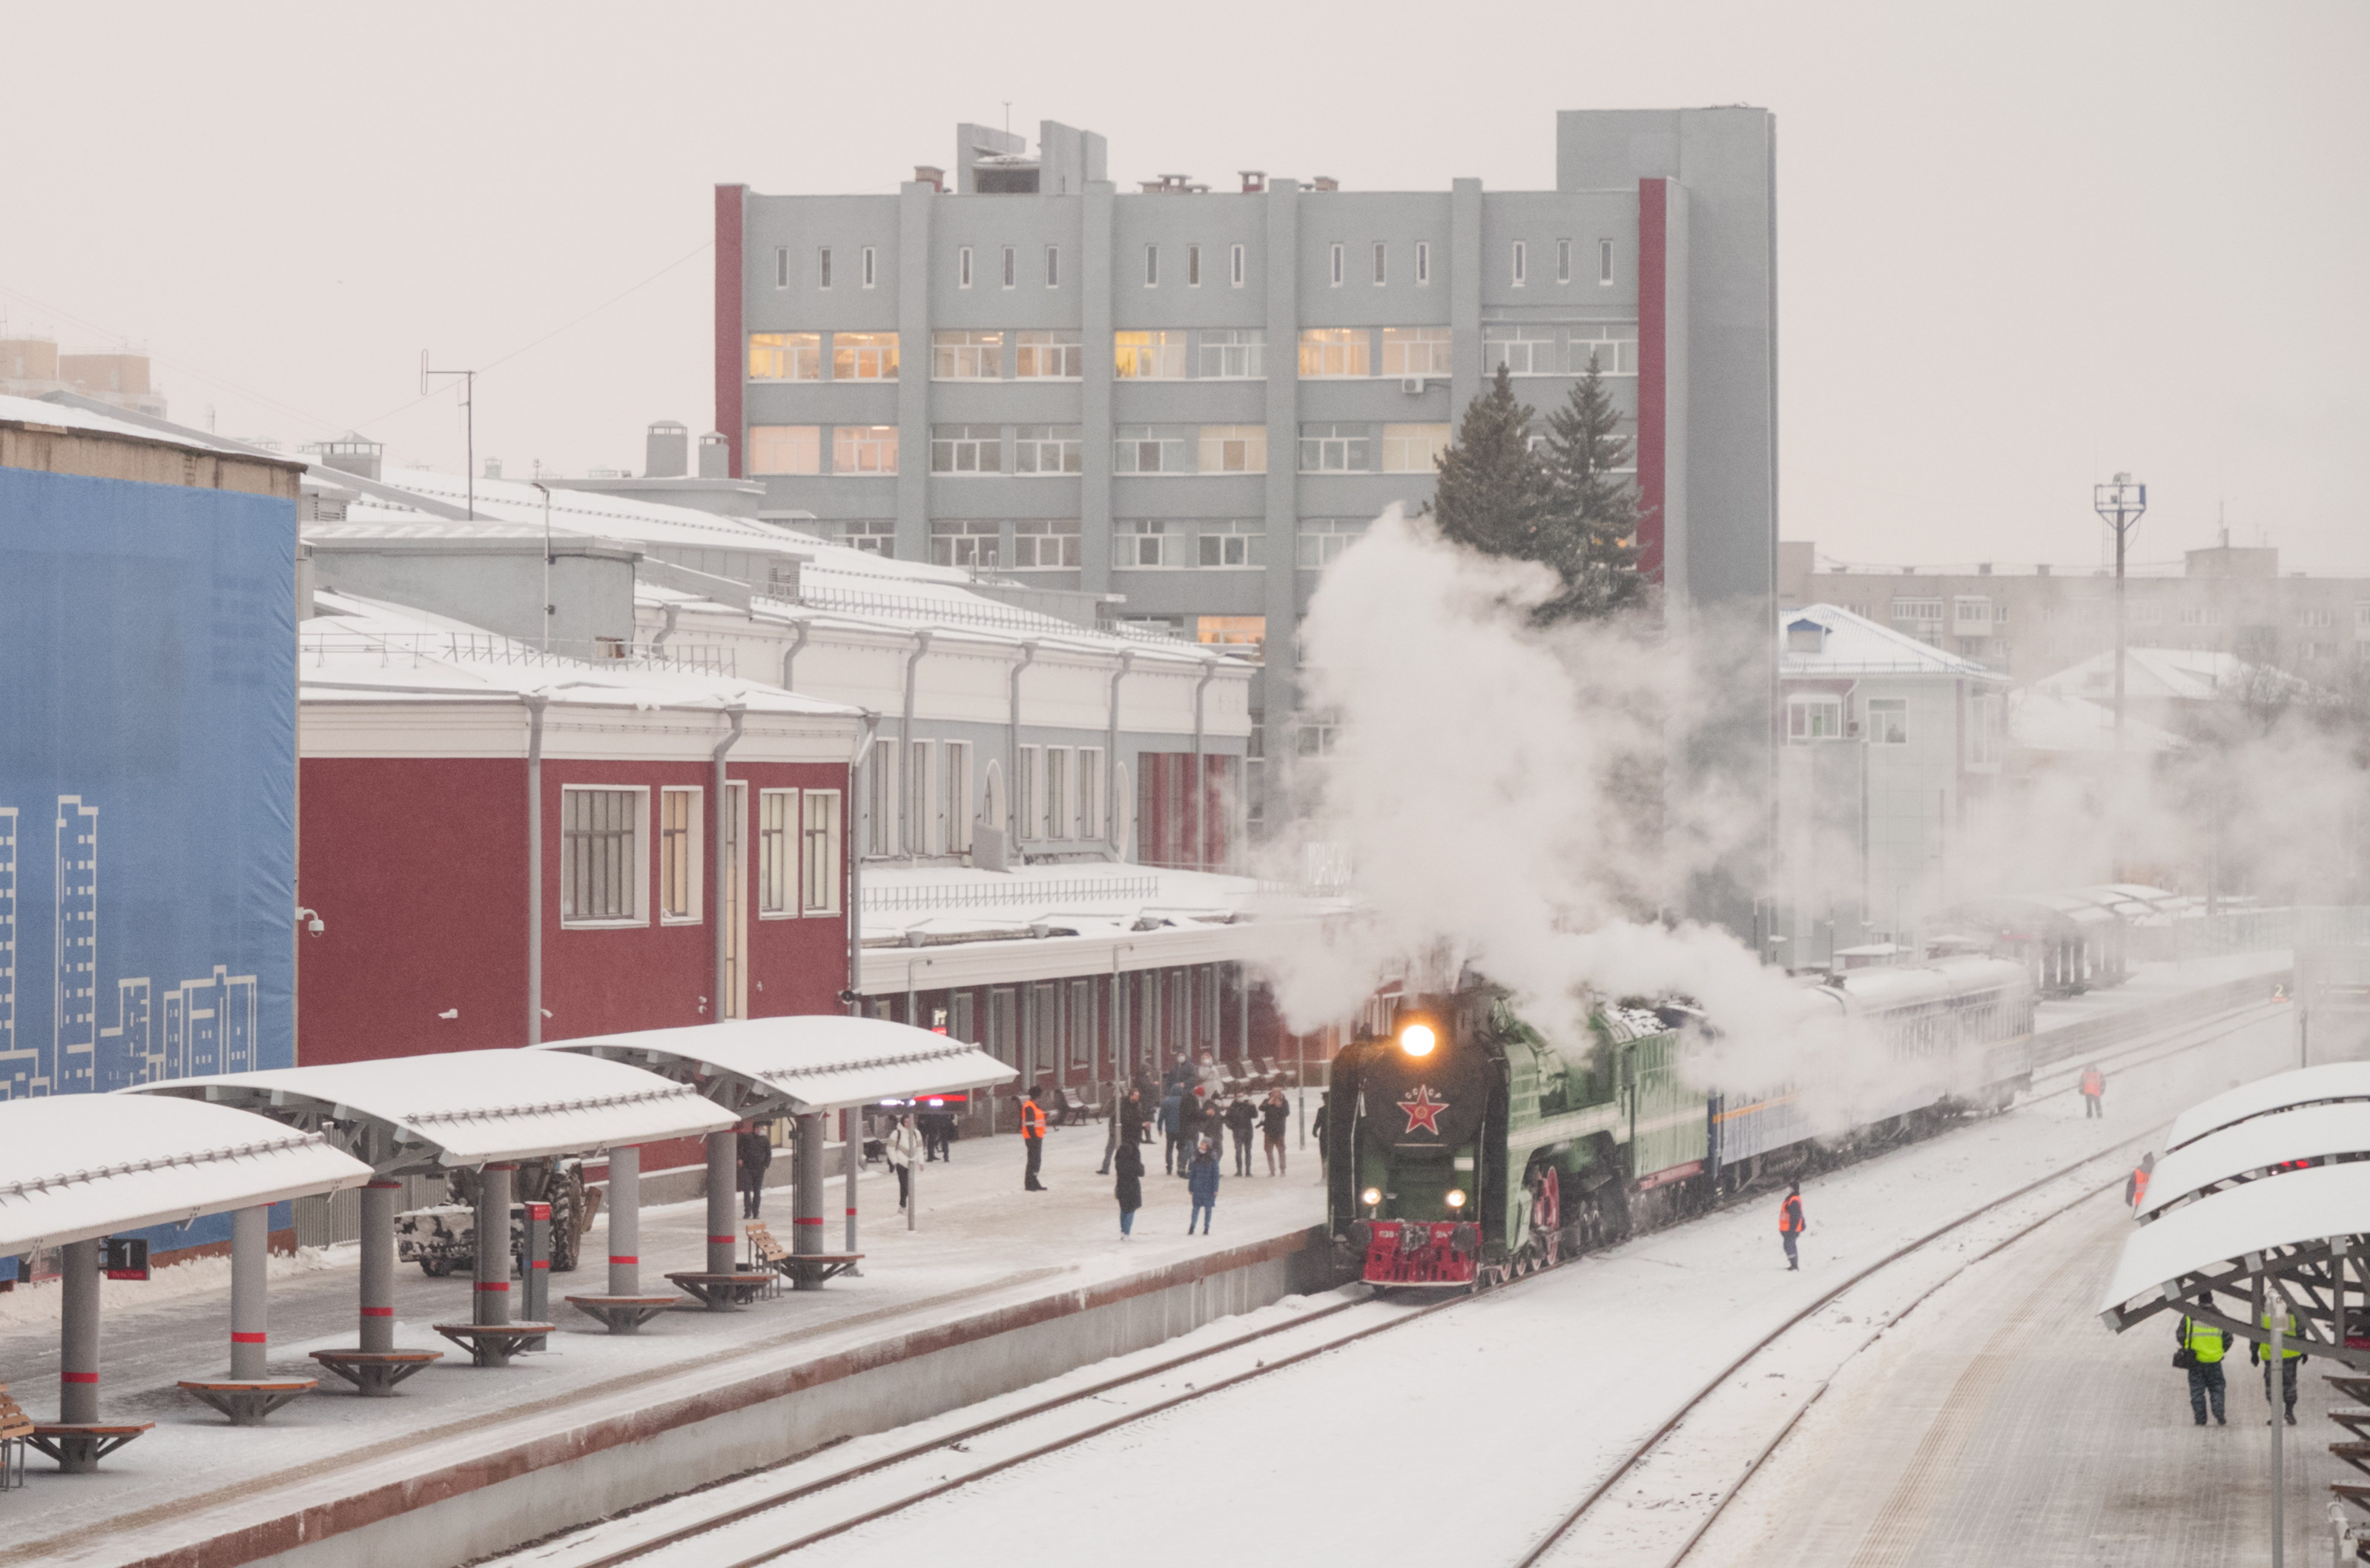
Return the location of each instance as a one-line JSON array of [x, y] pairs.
[[1370, 1196], [1418, 1039], [1456, 1197]]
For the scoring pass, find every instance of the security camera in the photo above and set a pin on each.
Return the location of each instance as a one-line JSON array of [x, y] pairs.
[[313, 921]]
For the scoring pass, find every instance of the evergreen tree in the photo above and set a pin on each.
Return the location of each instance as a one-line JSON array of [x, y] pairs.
[[1595, 509], [1493, 494]]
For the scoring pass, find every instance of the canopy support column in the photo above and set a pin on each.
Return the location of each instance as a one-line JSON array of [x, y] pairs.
[[378, 1201], [625, 1222], [249, 1261], [78, 1335], [807, 1192], [491, 1308], [722, 1147], [851, 1155]]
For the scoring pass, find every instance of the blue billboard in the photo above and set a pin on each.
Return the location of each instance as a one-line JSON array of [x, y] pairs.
[[147, 782]]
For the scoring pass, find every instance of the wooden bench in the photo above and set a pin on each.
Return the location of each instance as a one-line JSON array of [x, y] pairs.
[[806, 1271], [248, 1401], [375, 1373], [493, 1344], [623, 1314], [16, 1431], [722, 1292], [78, 1447]]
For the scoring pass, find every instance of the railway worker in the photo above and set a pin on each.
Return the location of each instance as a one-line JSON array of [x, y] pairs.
[[904, 1141], [1275, 1116], [2135, 1185], [1242, 1118], [1204, 1183], [1172, 1105], [2202, 1347], [2259, 1351], [1129, 1187], [2094, 1088], [752, 1152], [1790, 1223], [1033, 1139]]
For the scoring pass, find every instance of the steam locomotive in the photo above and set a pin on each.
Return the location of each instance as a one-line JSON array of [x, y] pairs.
[[1463, 1148]]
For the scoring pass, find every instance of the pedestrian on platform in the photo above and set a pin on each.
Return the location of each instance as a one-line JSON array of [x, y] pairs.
[[1032, 1140], [1129, 1188], [1213, 1078], [1190, 1130], [1242, 1119], [1203, 1182], [1274, 1115], [2094, 1088], [2135, 1185], [2202, 1346], [752, 1152], [903, 1144], [1317, 1131], [933, 1124], [1131, 1115], [2259, 1351], [1790, 1223], [1172, 1105], [1179, 1074]]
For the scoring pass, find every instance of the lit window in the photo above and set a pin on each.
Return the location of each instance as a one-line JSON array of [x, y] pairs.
[[1413, 448], [1814, 718], [970, 543], [1231, 631], [1235, 266], [1139, 544], [1423, 261], [864, 449], [1888, 721], [1382, 264], [963, 267], [679, 868], [1334, 449], [1611, 347], [1150, 449], [1223, 544], [1149, 356], [1040, 544], [1151, 266], [777, 852], [1416, 351], [823, 268], [1048, 449], [967, 356], [1333, 351], [602, 865], [1522, 267], [1234, 448], [1237, 353], [1524, 350], [1563, 261], [786, 449], [1049, 356], [1192, 266], [864, 355], [1338, 264], [966, 449], [871, 271], [1011, 266], [781, 267], [786, 356], [819, 852], [1053, 266], [1323, 539]]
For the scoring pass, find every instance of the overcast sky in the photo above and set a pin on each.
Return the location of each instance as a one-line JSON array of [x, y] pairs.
[[2018, 249]]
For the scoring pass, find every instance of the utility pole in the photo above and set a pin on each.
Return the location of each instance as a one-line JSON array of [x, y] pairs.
[[2120, 504], [469, 408]]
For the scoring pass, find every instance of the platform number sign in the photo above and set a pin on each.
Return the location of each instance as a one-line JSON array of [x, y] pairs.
[[123, 1257]]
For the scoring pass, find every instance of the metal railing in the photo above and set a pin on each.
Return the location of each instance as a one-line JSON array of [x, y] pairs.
[[896, 899], [2253, 930], [414, 649], [812, 595]]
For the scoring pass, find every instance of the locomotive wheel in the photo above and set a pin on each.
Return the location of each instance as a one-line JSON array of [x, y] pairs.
[[566, 1244], [435, 1269]]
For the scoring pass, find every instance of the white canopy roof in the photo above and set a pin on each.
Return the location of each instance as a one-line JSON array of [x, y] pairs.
[[807, 1062], [2293, 1207], [76, 1166], [2307, 1133], [460, 1108], [2305, 1086]]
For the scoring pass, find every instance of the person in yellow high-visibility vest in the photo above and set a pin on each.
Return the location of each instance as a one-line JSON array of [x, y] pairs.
[[2261, 1352], [2204, 1346]]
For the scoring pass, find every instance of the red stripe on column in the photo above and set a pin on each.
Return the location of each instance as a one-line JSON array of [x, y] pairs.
[[1653, 368], [247, 1339], [379, 1311], [77, 1376], [503, 1285], [614, 1258], [722, 1241], [730, 201], [851, 1214], [542, 1263], [814, 1221]]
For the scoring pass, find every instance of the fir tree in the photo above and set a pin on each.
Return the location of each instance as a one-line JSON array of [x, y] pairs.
[[1595, 512], [1494, 495]]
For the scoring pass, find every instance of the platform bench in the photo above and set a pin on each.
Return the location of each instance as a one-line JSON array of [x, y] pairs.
[[493, 1344], [246, 1401], [375, 1373], [808, 1271], [16, 1432], [722, 1292], [78, 1448]]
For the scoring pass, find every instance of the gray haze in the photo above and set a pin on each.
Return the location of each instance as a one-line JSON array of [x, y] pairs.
[[2021, 245]]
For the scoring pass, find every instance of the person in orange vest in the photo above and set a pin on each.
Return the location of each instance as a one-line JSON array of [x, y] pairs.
[[1033, 1139], [2094, 1086], [1790, 1223], [2135, 1185]]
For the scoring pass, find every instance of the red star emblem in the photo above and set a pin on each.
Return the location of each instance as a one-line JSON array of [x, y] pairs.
[[1424, 1110]]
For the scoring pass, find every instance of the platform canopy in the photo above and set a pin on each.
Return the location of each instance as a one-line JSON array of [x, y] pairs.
[[2281, 1092], [452, 1109], [76, 1166], [802, 1063], [2259, 1143]]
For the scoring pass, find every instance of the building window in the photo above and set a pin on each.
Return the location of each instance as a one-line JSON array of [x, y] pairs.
[[781, 267], [823, 268], [864, 449], [1337, 263], [1603, 261], [966, 449], [786, 449], [1234, 448], [1237, 353], [1524, 350], [1322, 539], [1917, 610], [1049, 356], [819, 852], [1984, 730], [777, 852], [1029, 792], [1314, 738], [1139, 544], [871, 270], [967, 356], [1011, 266], [880, 800], [1152, 267], [1048, 449], [963, 267], [1004, 1023], [1888, 721], [1053, 266], [1058, 816], [1416, 351], [1091, 792], [1333, 351], [1613, 348], [1413, 449], [1149, 356], [955, 784], [1423, 261], [679, 867], [1334, 449], [785, 356], [864, 355], [1231, 631], [1040, 544], [1563, 261], [1814, 718], [963, 543], [1235, 266], [1521, 264], [1225, 544], [2317, 618], [602, 864], [921, 830], [1382, 264], [1192, 266], [1977, 612], [873, 536], [1150, 449], [2200, 615]]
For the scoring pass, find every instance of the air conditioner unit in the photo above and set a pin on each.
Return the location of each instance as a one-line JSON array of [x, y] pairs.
[[1412, 385]]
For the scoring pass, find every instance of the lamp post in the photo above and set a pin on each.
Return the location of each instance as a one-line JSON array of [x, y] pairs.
[[2120, 503]]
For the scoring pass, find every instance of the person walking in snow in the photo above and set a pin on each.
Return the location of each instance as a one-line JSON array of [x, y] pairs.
[[1190, 1128], [2202, 1346], [2135, 1185], [903, 1146], [1032, 1140], [1275, 1118], [1202, 1182], [1242, 1118], [1129, 1187], [2094, 1088], [1171, 1106], [1790, 1223], [752, 1152]]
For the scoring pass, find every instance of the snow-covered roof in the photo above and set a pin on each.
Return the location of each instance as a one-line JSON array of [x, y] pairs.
[[2308, 1132], [462, 1108], [806, 1062], [2292, 1209], [70, 416], [2161, 673], [2281, 1092], [2046, 720], [1854, 645], [76, 1166]]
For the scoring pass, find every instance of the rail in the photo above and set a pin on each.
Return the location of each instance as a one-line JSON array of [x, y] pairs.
[[893, 898]]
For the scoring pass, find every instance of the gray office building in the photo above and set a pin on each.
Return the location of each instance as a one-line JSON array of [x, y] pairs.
[[1196, 398]]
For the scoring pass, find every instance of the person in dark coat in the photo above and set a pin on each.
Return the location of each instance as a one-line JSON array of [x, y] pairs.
[[1131, 1116], [1179, 1075], [1201, 1180], [1191, 1127], [1242, 1116], [1317, 1131], [752, 1151], [1129, 1187], [1171, 1106], [1276, 1120]]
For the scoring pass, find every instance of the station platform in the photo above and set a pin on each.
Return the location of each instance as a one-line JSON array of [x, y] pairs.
[[458, 1464]]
